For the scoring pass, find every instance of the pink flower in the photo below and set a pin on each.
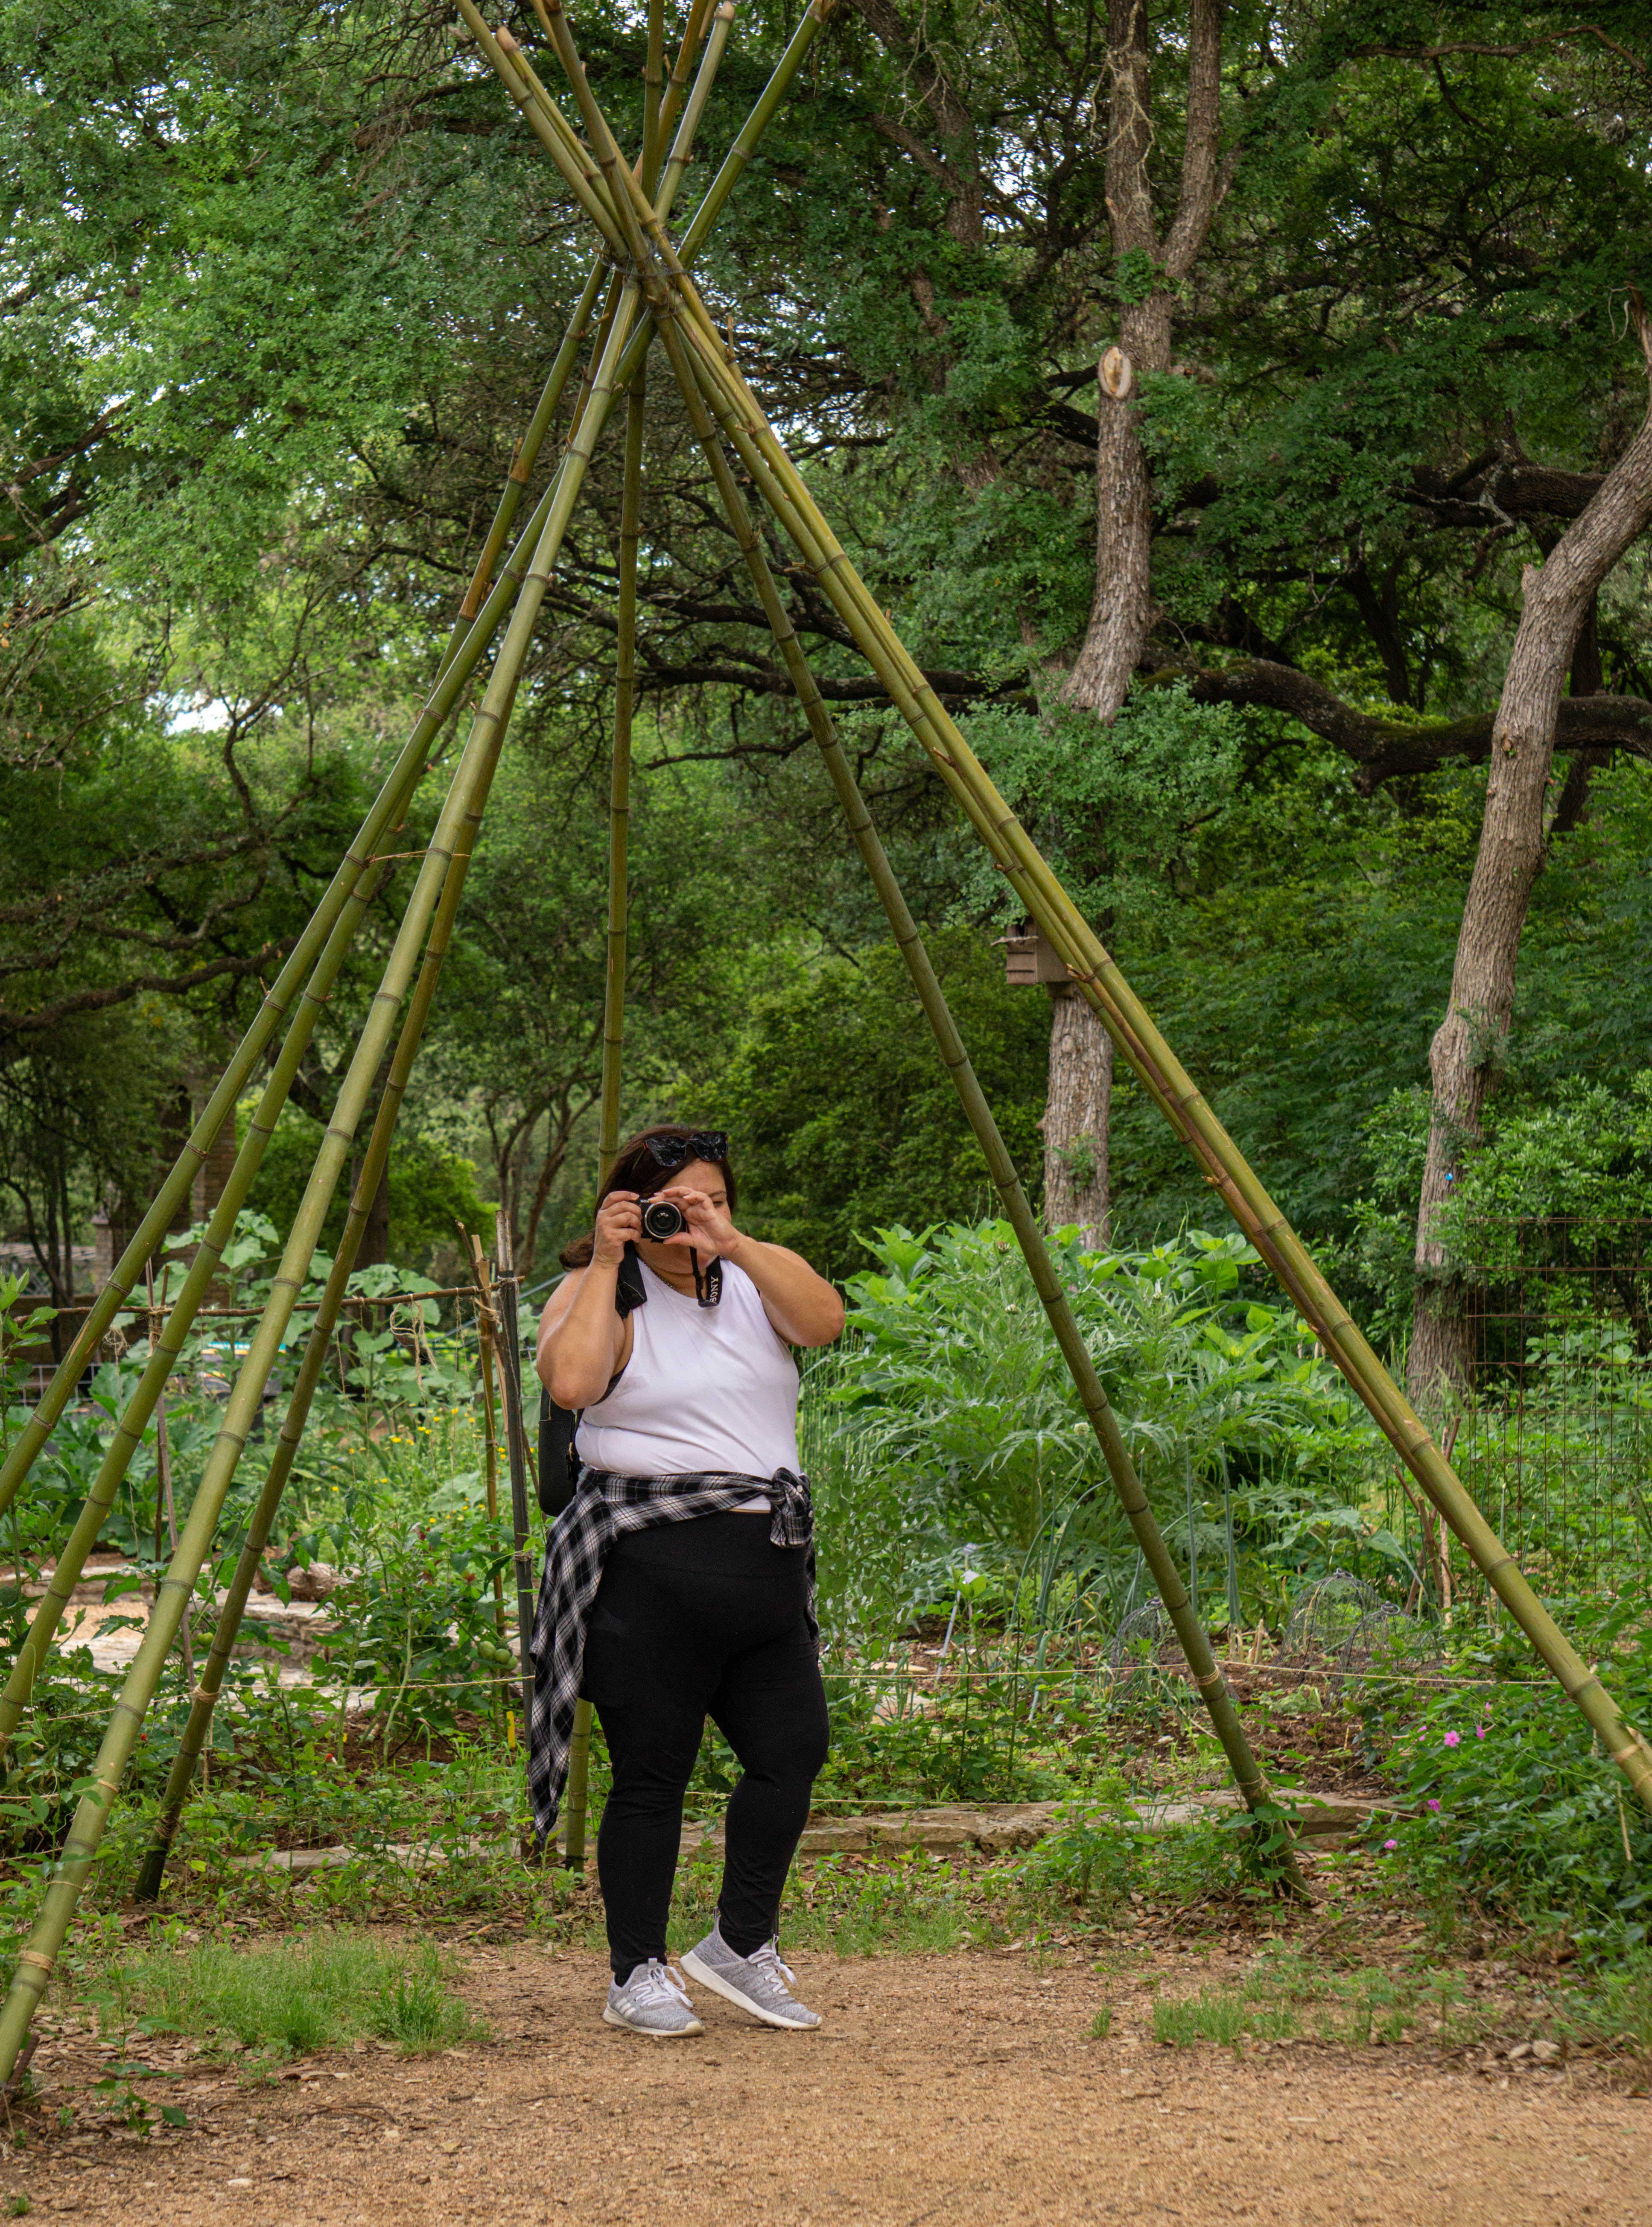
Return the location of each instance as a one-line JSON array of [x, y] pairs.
[[1452, 1739], [1433, 1805], [1479, 1732], [1390, 1844]]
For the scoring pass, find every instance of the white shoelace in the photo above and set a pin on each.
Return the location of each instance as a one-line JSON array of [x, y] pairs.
[[662, 1983], [768, 1959]]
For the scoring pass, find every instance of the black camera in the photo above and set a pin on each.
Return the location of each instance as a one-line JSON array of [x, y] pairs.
[[660, 1220]]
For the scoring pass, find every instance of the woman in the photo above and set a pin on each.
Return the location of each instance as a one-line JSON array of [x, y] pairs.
[[679, 1582]]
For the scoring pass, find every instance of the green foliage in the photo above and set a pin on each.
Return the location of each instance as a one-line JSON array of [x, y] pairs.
[[843, 1117], [1117, 811], [1613, 2006], [1582, 1148], [431, 1188], [1517, 1808], [1096, 1856], [961, 1393]]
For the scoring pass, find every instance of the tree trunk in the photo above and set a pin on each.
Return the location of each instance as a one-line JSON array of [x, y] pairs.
[[1121, 612], [1076, 1116], [1078, 1111], [1466, 1057], [375, 1230]]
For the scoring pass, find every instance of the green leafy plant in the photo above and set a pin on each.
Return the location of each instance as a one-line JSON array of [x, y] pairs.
[[1516, 1808], [1095, 1855], [959, 1394]]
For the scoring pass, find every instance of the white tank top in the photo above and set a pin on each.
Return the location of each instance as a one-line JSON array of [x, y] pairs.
[[705, 1388]]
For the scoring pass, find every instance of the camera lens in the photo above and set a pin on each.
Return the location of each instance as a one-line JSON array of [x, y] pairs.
[[660, 1220]]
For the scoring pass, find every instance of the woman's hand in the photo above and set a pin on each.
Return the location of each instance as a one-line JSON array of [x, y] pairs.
[[711, 1228], [619, 1223]]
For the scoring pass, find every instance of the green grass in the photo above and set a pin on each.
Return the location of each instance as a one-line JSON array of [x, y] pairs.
[[1613, 2006], [1102, 2024], [1216, 2015], [322, 1991], [1356, 2008]]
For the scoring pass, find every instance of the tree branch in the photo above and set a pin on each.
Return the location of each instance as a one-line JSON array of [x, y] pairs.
[[1384, 748]]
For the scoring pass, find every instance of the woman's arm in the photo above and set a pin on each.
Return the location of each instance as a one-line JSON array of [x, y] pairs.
[[803, 1307], [582, 1342]]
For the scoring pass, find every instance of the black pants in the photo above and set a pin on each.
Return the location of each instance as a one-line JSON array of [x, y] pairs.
[[690, 1620]]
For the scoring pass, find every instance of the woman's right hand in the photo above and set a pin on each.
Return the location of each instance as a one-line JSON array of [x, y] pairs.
[[619, 1223]]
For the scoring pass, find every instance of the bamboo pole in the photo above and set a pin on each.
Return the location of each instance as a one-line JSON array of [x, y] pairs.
[[1196, 1644], [694, 32], [1099, 979], [522, 463], [508, 1351], [192, 1745], [490, 1441], [317, 1346], [682, 146], [333, 1297], [619, 813], [501, 1308], [433, 906], [619, 785], [654, 70], [556, 135], [815, 17], [166, 1514]]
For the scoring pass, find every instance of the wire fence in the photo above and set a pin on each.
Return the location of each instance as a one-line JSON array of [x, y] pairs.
[[456, 1306], [1553, 1433]]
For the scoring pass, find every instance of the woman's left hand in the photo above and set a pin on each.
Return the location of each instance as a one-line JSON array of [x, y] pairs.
[[710, 1227]]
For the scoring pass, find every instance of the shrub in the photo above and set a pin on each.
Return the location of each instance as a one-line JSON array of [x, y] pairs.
[[1517, 1806]]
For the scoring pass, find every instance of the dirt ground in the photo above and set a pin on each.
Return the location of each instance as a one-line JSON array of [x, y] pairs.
[[957, 2087]]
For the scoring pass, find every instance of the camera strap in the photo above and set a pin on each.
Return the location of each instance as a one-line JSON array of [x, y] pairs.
[[629, 1290], [708, 1288]]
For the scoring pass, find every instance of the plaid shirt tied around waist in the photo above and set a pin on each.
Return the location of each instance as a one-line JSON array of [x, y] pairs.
[[605, 1506]]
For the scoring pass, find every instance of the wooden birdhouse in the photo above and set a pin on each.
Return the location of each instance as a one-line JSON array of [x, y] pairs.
[[1029, 959]]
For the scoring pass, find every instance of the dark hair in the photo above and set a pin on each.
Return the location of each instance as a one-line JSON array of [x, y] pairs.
[[636, 1169]]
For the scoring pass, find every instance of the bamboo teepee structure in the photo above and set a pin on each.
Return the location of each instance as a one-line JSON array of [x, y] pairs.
[[642, 278]]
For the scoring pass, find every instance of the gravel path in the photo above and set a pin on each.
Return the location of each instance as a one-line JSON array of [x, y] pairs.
[[958, 2089]]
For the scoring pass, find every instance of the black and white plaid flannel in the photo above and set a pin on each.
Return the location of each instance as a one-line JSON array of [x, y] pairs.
[[604, 1505]]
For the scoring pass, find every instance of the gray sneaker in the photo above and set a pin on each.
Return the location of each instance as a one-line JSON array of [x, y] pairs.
[[653, 2001], [759, 1983]]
